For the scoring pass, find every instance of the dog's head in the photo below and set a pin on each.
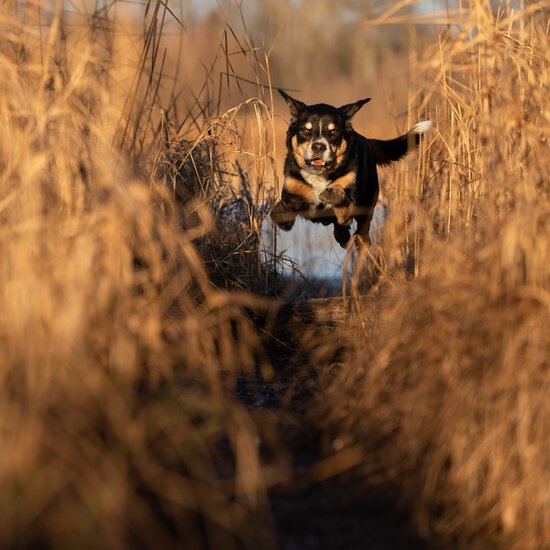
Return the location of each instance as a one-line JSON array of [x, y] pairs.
[[319, 134]]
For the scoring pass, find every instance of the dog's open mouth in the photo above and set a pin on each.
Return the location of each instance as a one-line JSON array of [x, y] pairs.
[[317, 163]]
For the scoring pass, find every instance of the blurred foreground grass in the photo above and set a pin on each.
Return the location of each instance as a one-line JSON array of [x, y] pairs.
[[132, 201]]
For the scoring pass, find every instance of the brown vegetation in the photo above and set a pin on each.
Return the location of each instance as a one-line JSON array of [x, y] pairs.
[[137, 162], [117, 424], [449, 404]]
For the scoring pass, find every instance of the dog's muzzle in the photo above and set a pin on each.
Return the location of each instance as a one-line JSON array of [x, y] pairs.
[[320, 156]]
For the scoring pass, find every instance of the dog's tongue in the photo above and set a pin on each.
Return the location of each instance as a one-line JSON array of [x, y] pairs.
[[318, 162]]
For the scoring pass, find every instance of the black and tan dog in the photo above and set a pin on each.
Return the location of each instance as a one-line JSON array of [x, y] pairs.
[[329, 164]]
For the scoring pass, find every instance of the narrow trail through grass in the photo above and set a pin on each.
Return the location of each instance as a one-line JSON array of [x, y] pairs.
[[318, 506]]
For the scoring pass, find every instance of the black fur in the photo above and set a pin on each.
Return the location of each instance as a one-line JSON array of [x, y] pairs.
[[329, 164]]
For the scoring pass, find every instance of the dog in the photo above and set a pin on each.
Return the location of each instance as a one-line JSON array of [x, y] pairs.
[[330, 165]]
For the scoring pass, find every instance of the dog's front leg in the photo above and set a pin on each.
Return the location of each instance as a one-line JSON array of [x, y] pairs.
[[340, 194], [296, 197], [337, 197], [343, 215]]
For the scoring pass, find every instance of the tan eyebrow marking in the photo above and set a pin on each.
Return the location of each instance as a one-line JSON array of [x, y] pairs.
[[309, 125], [331, 126]]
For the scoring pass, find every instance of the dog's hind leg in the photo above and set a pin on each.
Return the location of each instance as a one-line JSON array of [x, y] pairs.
[[363, 228], [342, 234]]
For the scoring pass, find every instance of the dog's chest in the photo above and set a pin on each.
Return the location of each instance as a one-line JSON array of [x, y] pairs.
[[318, 183]]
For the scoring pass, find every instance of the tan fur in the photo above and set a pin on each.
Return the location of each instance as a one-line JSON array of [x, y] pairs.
[[340, 152], [298, 152], [343, 212], [297, 187], [345, 181]]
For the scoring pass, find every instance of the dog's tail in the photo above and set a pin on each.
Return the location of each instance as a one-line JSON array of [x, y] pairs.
[[388, 151]]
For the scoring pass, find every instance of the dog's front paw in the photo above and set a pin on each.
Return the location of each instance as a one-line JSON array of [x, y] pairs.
[[283, 216], [334, 196], [296, 204]]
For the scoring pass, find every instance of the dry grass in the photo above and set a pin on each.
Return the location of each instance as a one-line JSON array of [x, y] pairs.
[[484, 83], [216, 171], [449, 399], [116, 425], [132, 195], [450, 404]]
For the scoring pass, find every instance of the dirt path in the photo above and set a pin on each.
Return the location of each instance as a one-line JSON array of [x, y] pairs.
[[312, 512]]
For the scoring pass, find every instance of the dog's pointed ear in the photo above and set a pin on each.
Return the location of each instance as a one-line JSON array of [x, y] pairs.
[[294, 105], [351, 108]]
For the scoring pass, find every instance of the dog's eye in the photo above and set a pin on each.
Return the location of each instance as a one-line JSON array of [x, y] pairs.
[[334, 134], [306, 132]]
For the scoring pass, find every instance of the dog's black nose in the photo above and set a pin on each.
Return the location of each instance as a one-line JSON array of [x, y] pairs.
[[318, 147]]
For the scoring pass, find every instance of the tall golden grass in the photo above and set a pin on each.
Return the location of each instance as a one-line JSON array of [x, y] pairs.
[[133, 193], [117, 426], [449, 399], [483, 81]]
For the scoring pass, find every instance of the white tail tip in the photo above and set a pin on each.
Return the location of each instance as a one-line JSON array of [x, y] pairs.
[[421, 127]]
